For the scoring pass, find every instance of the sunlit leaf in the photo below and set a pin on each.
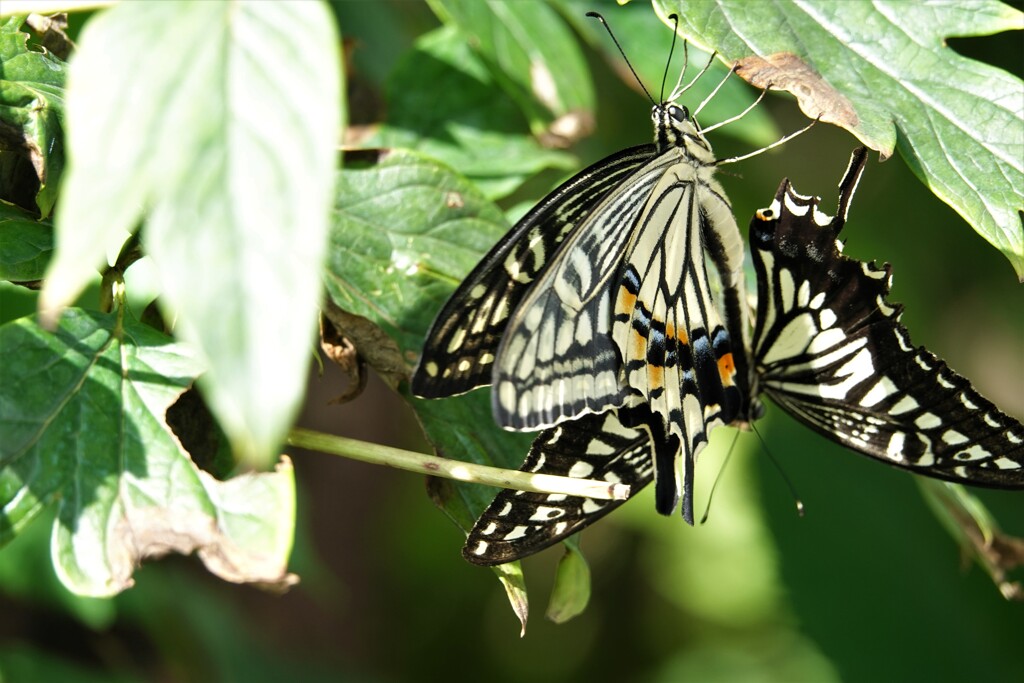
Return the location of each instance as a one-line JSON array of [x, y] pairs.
[[83, 427]]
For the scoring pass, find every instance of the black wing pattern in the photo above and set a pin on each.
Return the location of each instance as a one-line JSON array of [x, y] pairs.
[[830, 350], [463, 340], [520, 523]]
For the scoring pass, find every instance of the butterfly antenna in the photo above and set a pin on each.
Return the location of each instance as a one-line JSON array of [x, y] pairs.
[[671, 50], [775, 144], [615, 40], [742, 113], [714, 92], [680, 90], [782, 473], [718, 477]]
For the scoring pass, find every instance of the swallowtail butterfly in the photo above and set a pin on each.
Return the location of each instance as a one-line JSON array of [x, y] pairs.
[[828, 348], [600, 295]]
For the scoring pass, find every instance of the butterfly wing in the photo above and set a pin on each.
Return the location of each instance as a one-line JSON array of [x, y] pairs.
[[462, 343], [831, 351], [519, 523], [557, 360], [676, 351]]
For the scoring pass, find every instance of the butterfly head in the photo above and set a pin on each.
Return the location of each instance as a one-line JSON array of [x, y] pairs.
[[675, 128]]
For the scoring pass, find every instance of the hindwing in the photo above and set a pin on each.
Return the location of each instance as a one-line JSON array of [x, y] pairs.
[[520, 523], [830, 350], [462, 343]]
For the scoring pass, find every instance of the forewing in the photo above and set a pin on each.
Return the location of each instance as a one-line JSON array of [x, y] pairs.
[[518, 523], [460, 347], [557, 360], [832, 352]]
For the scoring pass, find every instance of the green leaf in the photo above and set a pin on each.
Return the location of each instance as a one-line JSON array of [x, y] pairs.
[[968, 521], [228, 149], [83, 427], [406, 231], [533, 53], [32, 107], [958, 123], [571, 592], [445, 103], [25, 245]]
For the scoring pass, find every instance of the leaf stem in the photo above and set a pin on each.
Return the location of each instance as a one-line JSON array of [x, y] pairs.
[[455, 469]]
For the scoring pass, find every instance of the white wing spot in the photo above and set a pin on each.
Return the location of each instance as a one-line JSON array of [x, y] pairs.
[[883, 388], [975, 452], [580, 469], [905, 404], [827, 318], [456, 340], [895, 448], [544, 513], [928, 421], [953, 437]]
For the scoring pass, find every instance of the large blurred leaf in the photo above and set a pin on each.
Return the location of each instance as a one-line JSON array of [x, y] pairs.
[[958, 123], [219, 120], [533, 53], [83, 426], [445, 103], [32, 107]]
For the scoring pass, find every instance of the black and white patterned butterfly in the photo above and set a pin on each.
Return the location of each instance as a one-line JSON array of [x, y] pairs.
[[600, 296], [828, 348]]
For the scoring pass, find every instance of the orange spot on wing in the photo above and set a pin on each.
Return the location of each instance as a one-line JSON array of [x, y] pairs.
[[678, 335], [637, 347], [626, 301], [655, 377], [726, 368]]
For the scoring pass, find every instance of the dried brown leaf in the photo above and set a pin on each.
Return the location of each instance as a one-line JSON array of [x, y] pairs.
[[816, 96]]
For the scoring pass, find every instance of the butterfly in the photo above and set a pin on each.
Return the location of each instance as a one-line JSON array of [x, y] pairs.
[[599, 298], [828, 348]]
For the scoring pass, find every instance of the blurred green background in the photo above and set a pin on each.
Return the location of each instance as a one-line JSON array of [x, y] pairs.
[[866, 587]]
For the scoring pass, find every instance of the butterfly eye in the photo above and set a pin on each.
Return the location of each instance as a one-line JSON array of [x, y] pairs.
[[678, 113]]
